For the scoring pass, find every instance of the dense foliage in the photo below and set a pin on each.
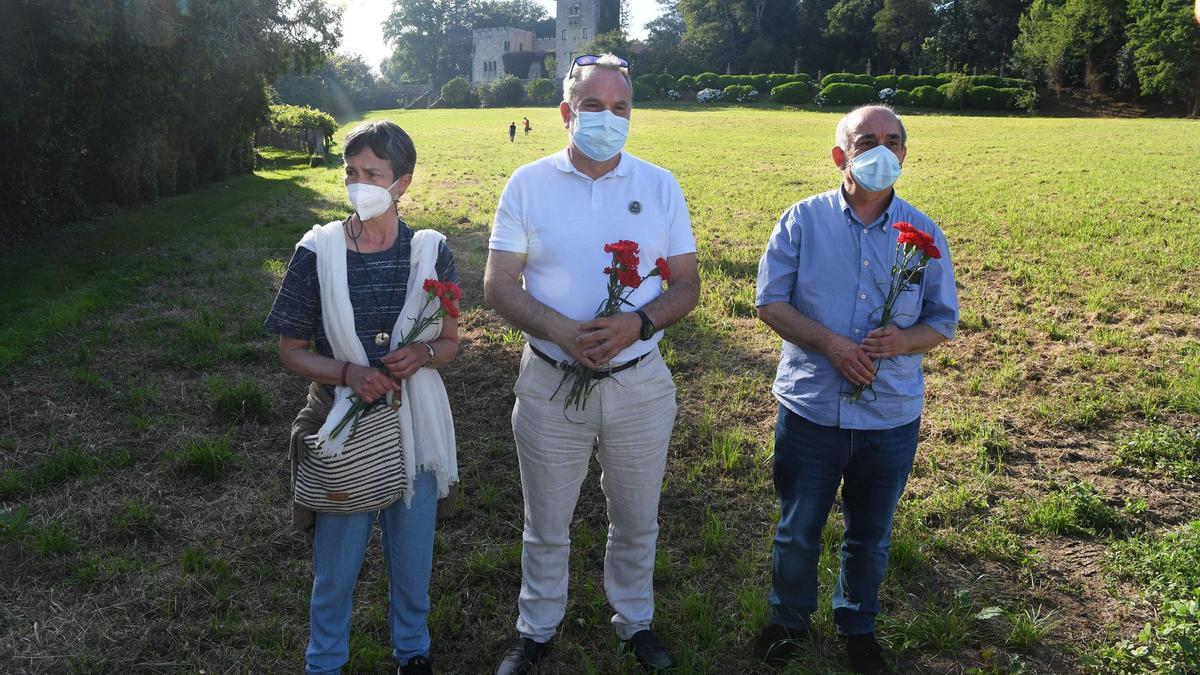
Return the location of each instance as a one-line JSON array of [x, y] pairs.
[[128, 102], [299, 119]]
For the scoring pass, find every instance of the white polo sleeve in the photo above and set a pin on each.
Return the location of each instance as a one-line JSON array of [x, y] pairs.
[[679, 223], [509, 230]]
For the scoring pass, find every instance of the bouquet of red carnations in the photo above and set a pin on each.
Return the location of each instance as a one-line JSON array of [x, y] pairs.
[[914, 250], [623, 279]]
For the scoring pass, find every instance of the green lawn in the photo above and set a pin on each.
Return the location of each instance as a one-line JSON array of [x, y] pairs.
[[1050, 524]]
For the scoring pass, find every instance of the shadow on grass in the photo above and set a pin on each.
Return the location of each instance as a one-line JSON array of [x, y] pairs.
[[97, 266]]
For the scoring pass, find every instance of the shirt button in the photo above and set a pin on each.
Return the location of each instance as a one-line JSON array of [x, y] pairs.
[[866, 263], [863, 296], [864, 230], [857, 331]]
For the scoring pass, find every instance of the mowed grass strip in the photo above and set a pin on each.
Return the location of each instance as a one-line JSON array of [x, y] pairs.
[[1059, 425]]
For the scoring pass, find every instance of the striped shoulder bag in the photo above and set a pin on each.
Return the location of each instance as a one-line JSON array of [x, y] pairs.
[[368, 475]]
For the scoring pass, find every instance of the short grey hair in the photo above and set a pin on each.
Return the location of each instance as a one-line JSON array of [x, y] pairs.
[[388, 141], [576, 76], [842, 135]]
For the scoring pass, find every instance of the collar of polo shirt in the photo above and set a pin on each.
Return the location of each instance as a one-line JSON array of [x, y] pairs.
[[562, 162]]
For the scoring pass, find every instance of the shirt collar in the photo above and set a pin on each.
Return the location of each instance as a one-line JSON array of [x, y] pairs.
[[562, 162], [884, 217]]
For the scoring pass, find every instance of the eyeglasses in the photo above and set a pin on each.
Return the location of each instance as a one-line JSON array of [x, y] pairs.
[[585, 60]]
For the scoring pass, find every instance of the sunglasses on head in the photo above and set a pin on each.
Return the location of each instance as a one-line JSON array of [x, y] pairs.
[[591, 60]]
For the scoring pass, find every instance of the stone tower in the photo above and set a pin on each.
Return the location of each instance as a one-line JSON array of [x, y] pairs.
[[578, 23]]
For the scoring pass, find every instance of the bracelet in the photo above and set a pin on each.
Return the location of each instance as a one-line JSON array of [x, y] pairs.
[[429, 348], [345, 369]]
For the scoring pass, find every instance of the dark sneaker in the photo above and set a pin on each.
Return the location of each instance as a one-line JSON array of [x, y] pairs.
[[649, 651], [865, 654], [521, 656], [417, 665], [776, 644]]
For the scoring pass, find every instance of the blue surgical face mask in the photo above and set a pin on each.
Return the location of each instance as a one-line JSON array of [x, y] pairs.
[[599, 135], [876, 169]]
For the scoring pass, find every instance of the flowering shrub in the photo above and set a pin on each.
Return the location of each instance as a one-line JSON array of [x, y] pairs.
[[672, 95], [710, 95], [887, 95]]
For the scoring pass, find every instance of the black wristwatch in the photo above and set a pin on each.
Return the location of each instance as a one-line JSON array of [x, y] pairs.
[[648, 329]]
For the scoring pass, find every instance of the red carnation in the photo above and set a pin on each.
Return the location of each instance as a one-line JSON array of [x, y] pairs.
[[629, 277], [430, 285], [663, 269], [932, 251]]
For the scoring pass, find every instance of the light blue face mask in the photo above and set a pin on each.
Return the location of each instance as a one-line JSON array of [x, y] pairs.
[[599, 135], [876, 169]]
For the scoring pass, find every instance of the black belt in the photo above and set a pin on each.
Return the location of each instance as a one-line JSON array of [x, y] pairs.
[[597, 374]]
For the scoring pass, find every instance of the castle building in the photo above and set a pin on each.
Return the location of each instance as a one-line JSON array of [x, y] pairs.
[[577, 22]]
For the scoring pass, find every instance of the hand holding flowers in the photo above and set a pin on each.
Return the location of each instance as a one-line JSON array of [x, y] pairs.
[[609, 332], [914, 250], [445, 294]]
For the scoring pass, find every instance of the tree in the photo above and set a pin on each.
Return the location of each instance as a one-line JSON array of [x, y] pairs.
[[431, 39], [902, 27], [738, 35], [1166, 49], [1079, 39], [851, 28], [126, 102], [612, 42], [523, 14], [456, 93], [974, 33]]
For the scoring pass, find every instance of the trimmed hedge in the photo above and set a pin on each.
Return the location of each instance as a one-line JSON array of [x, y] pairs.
[[887, 81], [903, 97], [686, 83], [642, 91], [845, 93], [988, 98], [848, 78], [927, 97], [911, 82], [708, 81], [792, 92]]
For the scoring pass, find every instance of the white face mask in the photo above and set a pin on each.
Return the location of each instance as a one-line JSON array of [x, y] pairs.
[[370, 200]]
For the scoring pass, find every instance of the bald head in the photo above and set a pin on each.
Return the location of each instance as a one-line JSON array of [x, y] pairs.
[[875, 117]]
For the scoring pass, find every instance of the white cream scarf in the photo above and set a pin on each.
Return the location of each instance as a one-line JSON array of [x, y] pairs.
[[426, 424]]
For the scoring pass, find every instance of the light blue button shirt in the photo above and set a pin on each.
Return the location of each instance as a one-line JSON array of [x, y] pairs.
[[835, 270]]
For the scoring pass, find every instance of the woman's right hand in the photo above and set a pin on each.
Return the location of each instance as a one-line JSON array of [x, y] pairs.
[[369, 383]]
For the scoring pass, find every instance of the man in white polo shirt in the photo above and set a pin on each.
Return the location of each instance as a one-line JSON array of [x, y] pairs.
[[554, 219]]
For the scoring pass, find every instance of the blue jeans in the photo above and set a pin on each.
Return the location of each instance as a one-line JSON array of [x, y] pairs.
[[339, 544], [810, 462]]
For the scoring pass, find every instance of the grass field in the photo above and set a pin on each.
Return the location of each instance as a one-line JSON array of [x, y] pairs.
[[1052, 523]]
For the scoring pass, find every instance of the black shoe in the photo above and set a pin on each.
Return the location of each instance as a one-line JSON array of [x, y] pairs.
[[776, 644], [417, 665], [649, 651], [866, 656], [521, 656]]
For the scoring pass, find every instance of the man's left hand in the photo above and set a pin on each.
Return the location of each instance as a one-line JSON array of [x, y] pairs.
[[605, 337], [886, 342]]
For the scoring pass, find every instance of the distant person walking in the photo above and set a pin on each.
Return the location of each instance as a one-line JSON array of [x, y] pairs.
[[527, 127], [512, 132]]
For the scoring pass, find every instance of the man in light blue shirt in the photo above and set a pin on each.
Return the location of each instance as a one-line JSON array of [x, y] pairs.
[[821, 286]]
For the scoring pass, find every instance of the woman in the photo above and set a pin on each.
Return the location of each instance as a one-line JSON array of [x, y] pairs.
[[378, 250]]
